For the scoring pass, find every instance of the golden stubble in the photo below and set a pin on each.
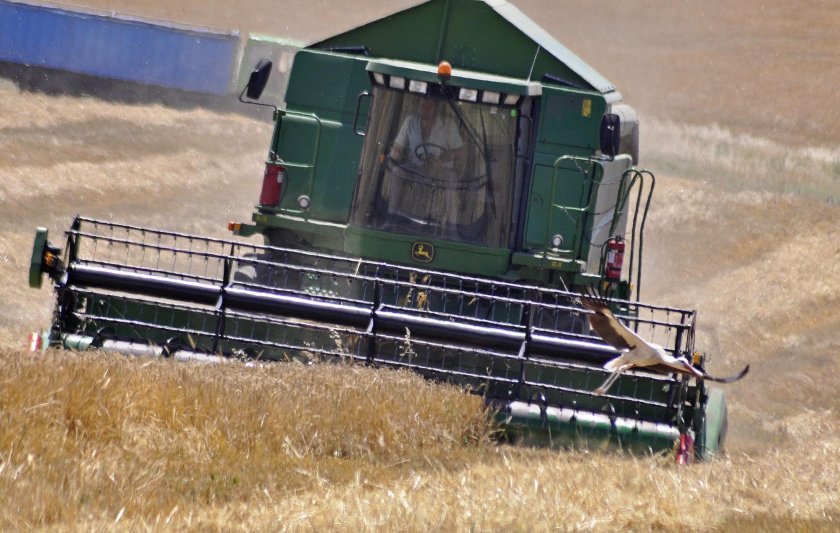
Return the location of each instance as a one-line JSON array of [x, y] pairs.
[[738, 230], [85, 434], [92, 440]]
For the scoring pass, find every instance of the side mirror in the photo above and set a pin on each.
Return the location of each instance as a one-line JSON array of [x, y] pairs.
[[610, 135], [258, 79]]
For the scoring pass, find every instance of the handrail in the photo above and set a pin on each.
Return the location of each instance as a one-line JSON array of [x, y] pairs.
[[578, 238], [356, 114], [637, 239]]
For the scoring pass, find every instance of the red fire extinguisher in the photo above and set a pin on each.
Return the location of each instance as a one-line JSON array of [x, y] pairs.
[[615, 259], [272, 186]]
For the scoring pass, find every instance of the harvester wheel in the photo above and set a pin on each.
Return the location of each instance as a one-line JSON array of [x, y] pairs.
[[269, 275], [273, 276], [282, 238]]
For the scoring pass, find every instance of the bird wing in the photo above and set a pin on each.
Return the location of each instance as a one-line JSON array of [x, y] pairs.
[[729, 379], [682, 366], [604, 323]]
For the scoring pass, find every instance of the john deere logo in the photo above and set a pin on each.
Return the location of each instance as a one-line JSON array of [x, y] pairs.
[[423, 252]]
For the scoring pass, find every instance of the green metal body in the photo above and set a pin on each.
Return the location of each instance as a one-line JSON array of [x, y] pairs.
[[491, 46], [36, 263]]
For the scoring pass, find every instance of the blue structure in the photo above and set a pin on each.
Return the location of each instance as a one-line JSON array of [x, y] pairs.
[[112, 46]]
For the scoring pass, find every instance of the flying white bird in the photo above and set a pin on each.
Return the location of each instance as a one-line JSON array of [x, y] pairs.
[[637, 352]]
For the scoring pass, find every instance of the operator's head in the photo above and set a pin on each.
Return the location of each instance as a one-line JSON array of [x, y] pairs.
[[427, 108]]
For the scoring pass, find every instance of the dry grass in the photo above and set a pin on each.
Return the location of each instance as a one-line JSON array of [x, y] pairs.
[[762, 68], [736, 162], [765, 68], [83, 437], [89, 441], [739, 229], [65, 156]]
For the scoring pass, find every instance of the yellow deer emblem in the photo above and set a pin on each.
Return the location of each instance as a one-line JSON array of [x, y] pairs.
[[423, 252]]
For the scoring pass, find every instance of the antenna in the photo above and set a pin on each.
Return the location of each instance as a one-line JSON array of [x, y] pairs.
[[534, 62]]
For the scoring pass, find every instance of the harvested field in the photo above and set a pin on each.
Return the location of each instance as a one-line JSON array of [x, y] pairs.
[[762, 68], [743, 228]]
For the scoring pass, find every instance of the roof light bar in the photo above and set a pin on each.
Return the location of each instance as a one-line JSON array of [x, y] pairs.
[[469, 95], [416, 86], [511, 99], [490, 97], [397, 82], [465, 94]]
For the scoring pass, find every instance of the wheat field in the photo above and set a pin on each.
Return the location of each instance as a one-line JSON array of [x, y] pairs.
[[743, 228]]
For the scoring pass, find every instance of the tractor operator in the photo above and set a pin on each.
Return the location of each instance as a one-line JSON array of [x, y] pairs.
[[429, 141]]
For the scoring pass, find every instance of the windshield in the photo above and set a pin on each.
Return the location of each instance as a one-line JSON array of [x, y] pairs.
[[437, 168]]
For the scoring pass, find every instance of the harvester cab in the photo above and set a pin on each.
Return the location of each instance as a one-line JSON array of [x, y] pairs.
[[459, 130], [440, 186]]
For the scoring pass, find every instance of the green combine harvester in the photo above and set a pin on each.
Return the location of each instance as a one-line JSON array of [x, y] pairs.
[[440, 186]]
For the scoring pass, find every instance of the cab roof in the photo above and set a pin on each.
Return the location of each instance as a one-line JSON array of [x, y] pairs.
[[490, 36]]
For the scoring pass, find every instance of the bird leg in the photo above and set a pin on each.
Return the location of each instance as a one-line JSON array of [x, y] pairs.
[[605, 386]]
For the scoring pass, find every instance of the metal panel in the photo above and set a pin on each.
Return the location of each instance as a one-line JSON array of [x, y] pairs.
[[487, 35], [550, 45], [111, 46]]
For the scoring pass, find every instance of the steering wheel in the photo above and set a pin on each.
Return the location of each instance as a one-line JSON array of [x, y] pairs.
[[427, 152]]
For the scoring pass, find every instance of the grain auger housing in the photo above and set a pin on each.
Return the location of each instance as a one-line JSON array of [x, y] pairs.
[[439, 187]]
